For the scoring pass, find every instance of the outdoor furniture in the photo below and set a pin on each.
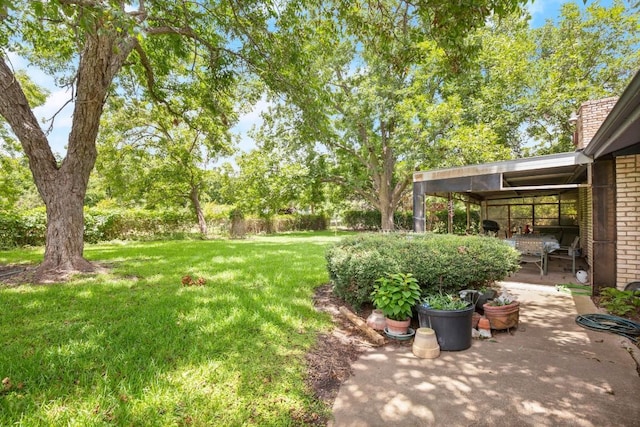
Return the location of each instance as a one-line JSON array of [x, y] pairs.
[[532, 251], [570, 252], [490, 226], [534, 245]]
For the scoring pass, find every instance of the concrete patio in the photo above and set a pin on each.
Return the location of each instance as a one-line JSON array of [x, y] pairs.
[[548, 372]]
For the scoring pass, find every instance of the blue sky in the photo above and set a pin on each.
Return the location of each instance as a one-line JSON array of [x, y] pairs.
[[540, 11]]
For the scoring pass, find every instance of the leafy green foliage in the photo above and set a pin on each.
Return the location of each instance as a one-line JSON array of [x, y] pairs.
[[620, 303], [373, 69], [586, 55], [445, 263], [25, 228], [396, 294], [440, 301], [370, 220], [28, 227]]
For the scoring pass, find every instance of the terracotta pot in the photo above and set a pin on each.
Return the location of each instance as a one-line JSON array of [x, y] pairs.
[[398, 327], [503, 316], [483, 323], [376, 320], [425, 344]]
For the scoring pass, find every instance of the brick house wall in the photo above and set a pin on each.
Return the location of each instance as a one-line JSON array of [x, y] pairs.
[[584, 221], [628, 220]]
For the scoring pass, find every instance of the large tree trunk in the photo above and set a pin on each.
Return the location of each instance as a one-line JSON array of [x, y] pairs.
[[65, 228], [63, 187], [386, 211]]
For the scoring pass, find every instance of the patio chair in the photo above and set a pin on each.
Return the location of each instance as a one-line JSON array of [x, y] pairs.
[[568, 252], [532, 251]]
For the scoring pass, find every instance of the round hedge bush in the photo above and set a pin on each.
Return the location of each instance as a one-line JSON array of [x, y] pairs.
[[440, 262]]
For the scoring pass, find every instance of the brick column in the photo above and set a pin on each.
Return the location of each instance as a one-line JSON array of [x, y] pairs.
[[590, 116]]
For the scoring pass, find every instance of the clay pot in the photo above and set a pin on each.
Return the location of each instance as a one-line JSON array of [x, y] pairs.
[[376, 320], [425, 344], [483, 323], [503, 316], [398, 327]]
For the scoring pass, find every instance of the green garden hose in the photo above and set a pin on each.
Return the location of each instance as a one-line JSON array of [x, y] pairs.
[[608, 323]]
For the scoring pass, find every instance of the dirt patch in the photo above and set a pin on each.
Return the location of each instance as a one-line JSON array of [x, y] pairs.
[[16, 274], [20, 274], [329, 361]]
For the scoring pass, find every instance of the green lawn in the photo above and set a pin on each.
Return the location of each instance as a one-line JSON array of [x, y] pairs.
[[135, 347]]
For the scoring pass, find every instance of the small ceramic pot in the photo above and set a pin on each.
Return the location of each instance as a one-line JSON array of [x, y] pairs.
[[398, 327], [425, 344], [376, 320]]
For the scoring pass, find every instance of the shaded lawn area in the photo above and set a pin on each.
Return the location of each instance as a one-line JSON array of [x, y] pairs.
[[136, 347]]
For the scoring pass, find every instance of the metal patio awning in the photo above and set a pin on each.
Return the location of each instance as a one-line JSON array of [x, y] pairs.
[[541, 175]]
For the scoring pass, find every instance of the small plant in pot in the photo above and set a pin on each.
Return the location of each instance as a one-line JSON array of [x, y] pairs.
[[396, 294], [502, 312], [445, 302]]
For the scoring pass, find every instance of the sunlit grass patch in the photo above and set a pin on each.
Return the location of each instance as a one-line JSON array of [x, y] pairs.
[[135, 347]]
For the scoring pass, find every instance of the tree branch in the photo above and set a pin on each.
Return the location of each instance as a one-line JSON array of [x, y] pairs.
[[15, 108], [360, 191]]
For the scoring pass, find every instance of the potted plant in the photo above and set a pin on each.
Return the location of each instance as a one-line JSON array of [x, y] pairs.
[[396, 294], [450, 317], [502, 312]]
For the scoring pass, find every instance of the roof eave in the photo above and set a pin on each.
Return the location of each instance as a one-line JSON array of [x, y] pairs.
[[624, 113]]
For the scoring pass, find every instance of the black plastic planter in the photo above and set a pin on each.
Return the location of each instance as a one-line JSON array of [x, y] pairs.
[[452, 327]]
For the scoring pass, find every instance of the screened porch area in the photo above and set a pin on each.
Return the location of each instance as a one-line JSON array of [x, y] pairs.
[[542, 199]]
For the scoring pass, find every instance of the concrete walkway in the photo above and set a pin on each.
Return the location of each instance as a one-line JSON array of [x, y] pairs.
[[550, 372]]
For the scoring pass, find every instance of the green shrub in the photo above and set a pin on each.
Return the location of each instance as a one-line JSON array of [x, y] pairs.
[[403, 220], [620, 303], [311, 222], [459, 221], [362, 220], [285, 223], [25, 228], [440, 263], [10, 225]]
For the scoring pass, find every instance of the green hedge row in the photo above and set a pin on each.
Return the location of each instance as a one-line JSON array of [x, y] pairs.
[[371, 220], [284, 223], [28, 228], [446, 263]]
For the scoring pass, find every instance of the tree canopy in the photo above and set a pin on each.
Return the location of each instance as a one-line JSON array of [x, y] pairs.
[[362, 94]]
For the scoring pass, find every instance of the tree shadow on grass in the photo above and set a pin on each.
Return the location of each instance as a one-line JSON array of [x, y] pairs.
[[137, 347]]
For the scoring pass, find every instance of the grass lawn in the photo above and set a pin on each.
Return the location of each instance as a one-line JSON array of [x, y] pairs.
[[136, 347]]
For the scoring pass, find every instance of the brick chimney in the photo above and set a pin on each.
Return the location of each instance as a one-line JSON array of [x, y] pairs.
[[590, 116]]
